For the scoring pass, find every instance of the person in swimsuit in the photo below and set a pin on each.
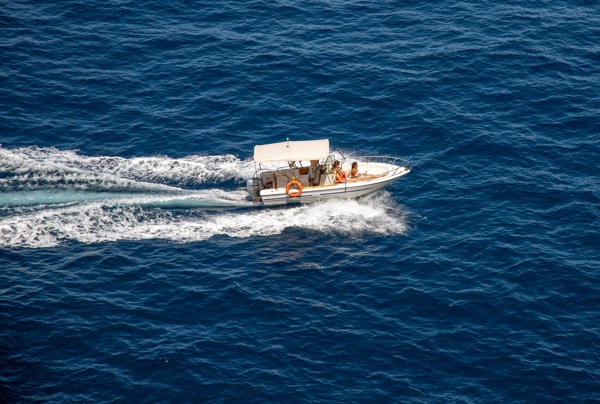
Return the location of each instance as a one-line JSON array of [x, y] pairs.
[[340, 175], [355, 175]]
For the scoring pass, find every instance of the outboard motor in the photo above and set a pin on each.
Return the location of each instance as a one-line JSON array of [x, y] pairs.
[[253, 187]]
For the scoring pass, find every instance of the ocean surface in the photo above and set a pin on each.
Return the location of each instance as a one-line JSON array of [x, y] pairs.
[[133, 269]]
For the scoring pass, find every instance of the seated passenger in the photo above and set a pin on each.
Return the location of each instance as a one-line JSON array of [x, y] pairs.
[[355, 175], [340, 175]]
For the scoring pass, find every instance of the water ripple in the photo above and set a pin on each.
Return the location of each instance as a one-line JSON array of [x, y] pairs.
[[130, 261]]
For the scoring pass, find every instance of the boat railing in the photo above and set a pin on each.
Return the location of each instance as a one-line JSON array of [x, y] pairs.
[[389, 160], [383, 159]]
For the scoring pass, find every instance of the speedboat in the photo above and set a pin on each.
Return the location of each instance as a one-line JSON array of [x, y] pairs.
[[305, 171]]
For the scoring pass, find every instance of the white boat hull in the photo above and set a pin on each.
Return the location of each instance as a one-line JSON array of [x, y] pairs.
[[348, 190]]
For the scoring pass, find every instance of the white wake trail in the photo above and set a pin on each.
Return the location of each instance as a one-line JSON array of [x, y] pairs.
[[49, 197], [97, 222], [52, 166]]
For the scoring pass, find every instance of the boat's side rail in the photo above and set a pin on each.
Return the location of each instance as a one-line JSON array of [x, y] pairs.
[[396, 162], [383, 159]]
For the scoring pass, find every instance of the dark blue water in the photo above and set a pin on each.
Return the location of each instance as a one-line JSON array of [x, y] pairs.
[[133, 269]]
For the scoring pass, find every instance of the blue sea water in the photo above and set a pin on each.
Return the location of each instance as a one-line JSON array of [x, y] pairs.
[[133, 269]]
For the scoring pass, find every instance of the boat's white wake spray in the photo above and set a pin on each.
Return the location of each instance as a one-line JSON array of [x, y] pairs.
[[34, 167], [51, 197]]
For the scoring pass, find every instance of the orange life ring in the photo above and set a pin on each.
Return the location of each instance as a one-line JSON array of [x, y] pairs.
[[293, 195]]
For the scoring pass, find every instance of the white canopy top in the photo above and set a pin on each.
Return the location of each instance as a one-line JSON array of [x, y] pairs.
[[292, 151]]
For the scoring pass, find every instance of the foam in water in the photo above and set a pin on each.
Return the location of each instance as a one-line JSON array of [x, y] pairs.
[[96, 222], [25, 168], [93, 199]]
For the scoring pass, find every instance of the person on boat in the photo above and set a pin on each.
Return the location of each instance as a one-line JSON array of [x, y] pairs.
[[314, 175], [340, 175], [355, 175]]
